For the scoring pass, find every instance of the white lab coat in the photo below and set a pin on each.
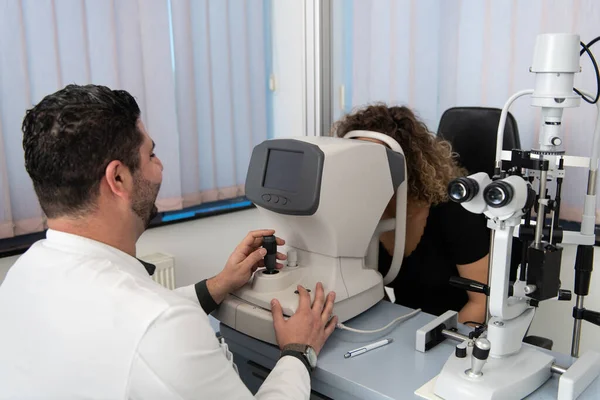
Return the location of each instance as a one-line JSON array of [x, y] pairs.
[[80, 319]]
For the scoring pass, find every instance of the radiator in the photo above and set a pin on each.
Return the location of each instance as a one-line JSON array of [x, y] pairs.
[[165, 268]]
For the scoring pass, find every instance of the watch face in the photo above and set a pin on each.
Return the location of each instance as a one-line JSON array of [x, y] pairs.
[[311, 356]]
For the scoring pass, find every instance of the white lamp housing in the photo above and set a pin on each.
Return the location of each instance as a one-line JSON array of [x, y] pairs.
[[555, 63]]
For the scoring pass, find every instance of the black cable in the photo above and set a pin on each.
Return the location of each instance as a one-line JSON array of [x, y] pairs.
[[586, 49], [525, 246], [590, 44], [473, 323], [557, 198]]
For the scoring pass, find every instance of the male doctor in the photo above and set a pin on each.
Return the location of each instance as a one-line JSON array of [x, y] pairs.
[[80, 316]]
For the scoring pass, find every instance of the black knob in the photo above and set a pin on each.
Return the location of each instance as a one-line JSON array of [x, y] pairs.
[[461, 350], [470, 285], [584, 265], [564, 295], [270, 244], [592, 317]]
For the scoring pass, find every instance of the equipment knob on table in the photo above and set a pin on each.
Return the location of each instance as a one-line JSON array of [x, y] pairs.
[[461, 350]]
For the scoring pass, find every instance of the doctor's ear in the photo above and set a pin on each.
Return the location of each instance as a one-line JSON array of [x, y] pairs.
[[119, 178]]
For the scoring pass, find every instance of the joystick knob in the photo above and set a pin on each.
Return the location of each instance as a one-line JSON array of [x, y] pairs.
[[481, 351], [270, 244]]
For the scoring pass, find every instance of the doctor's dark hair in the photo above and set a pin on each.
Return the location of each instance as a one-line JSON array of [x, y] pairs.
[[69, 139], [430, 162]]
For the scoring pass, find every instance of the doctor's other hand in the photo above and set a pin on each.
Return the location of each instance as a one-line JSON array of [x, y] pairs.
[[309, 325], [243, 262]]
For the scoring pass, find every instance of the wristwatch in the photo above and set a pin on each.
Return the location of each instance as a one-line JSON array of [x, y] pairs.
[[303, 352]]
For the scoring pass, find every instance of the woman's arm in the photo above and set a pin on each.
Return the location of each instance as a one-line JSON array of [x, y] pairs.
[[474, 310]]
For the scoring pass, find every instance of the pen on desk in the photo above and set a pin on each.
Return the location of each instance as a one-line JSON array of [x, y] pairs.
[[368, 347]]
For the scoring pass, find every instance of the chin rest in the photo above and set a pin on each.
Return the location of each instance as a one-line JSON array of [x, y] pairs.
[[539, 341]]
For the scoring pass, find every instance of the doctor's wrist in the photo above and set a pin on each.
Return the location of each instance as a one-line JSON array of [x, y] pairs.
[[305, 353], [217, 289]]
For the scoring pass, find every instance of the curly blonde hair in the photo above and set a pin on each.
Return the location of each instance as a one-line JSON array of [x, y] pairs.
[[430, 162]]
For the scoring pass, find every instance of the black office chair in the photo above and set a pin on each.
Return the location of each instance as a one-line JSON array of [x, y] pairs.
[[472, 132]]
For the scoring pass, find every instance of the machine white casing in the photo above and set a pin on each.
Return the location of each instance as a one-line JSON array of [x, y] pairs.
[[555, 63], [331, 246]]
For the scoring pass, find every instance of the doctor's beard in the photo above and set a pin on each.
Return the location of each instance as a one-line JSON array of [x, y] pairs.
[[144, 198]]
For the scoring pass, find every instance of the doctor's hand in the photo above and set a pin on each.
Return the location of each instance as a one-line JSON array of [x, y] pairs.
[[309, 325], [245, 259]]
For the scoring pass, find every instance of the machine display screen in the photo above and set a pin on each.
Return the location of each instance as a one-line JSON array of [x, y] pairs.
[[283, 170]]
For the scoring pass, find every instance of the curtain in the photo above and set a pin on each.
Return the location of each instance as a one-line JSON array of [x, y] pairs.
[[432, 55], [198, 69]]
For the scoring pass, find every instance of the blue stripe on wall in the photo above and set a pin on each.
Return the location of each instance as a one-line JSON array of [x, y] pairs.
[[268, 34], [206, 209]]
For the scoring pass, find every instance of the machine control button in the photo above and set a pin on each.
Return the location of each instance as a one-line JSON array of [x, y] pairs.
[[556, 141], [266, 197], [284, 201], [275, 199], [461, 350]]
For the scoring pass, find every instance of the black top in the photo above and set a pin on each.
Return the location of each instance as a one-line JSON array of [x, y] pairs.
[[452, 236]]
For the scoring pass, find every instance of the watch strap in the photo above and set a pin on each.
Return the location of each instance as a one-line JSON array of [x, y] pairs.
[[296, 347], [299, 355]]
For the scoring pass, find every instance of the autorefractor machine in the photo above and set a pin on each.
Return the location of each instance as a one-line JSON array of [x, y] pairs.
[[325, 196]]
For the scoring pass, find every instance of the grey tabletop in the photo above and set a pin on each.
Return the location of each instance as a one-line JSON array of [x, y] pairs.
[[393, 371]]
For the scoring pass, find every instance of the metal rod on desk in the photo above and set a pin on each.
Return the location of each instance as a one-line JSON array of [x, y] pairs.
[[557, 369], [577, 329], [454, 335]]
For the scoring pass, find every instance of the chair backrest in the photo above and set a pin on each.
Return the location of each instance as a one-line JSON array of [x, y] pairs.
[[472, 133]]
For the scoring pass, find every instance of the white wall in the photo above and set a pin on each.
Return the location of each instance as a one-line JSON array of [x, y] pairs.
[[288, 68], [5, 264]]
